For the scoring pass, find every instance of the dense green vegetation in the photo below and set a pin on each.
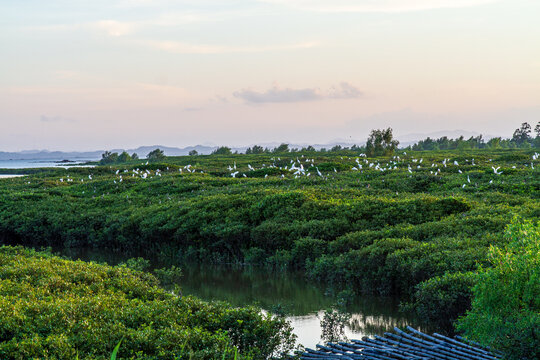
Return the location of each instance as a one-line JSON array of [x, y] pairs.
[[51, 308], [505, 311], [414, 225]]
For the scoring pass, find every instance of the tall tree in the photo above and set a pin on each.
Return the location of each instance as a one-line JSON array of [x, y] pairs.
[[124, 157], [522, 134], [281, 148], [155, 155], [108, 158], [381, 142]]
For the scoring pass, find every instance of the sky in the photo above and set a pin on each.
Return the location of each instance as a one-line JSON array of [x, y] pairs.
[[103, 74]]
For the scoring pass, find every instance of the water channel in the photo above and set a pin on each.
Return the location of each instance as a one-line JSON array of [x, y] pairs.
[[289, 293]]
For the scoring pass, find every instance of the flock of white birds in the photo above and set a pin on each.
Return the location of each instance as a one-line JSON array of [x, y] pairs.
[[305, 166]]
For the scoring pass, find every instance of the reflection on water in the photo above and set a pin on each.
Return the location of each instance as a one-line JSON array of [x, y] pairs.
[[32, 164], [304, 304], [7, 176]]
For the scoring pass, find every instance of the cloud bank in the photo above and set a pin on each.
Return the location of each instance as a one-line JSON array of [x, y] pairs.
[[288, 95]]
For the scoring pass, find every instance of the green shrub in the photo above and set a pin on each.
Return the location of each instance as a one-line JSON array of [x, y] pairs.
[[255, 256], [138, 264], [440, 300], [306, 249], [505, 310], [51, 308]]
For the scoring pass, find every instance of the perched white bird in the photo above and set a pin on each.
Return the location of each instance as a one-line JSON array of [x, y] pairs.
[[468, 179]]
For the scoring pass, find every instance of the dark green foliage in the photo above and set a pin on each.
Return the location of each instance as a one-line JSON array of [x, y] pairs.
[[124, 157], [255, 256], [306, 250], [222, 150], [155, 155], [256, 149], [367, 230], [451, 293], [381, 142], [522, 134], [52, 308], [281, 148], [109, 158], [505, 310]]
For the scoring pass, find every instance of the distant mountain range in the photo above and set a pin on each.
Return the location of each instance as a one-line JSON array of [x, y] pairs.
[[142, 151]]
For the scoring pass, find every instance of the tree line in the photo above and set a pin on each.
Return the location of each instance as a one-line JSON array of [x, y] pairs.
[[381, 142], [522, 138]]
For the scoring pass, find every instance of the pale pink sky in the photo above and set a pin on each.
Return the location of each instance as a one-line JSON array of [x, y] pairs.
[[81, 75]]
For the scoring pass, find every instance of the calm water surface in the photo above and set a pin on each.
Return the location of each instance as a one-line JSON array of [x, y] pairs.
[[28, 164], [303, 303]]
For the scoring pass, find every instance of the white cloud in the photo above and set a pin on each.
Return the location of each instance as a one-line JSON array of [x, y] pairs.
[[376, 5], [288, 95]]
